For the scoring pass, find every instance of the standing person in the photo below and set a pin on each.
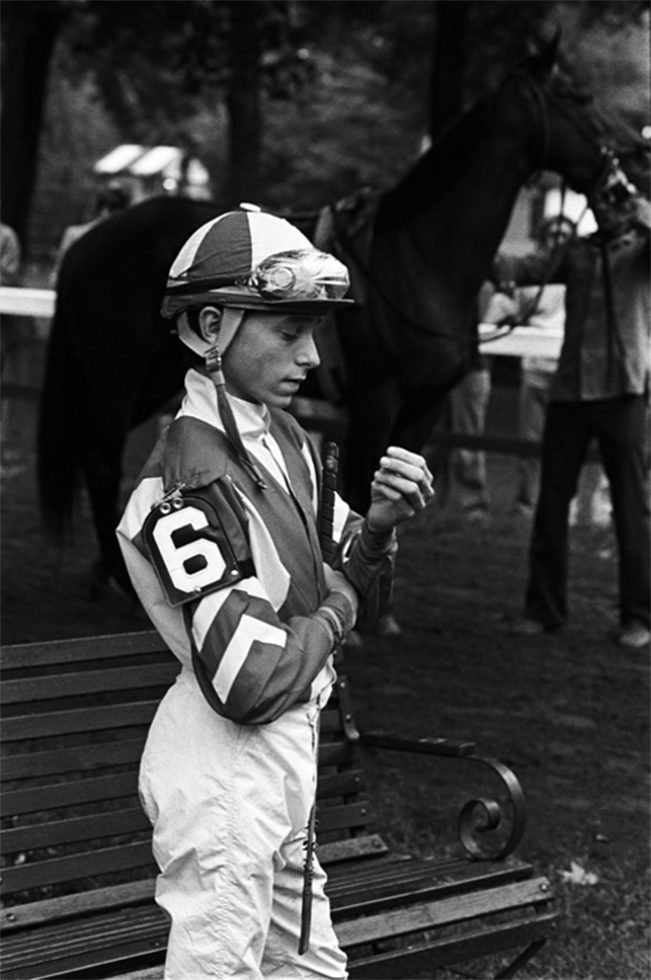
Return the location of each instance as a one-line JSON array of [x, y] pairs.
[[15, 332], [462, 476], [541, 306], [10, 256], [600, 390], [220, 539]]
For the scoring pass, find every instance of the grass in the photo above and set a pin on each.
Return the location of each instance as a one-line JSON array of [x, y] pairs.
[[569, 712]]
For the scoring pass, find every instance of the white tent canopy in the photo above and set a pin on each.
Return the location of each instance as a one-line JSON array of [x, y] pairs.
[[151, 169]]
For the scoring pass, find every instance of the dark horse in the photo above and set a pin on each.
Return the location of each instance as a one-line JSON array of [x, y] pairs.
[[112, 362]]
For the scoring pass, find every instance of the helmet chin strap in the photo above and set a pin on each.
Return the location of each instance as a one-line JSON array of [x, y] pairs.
[[231, 320], [213, 361]]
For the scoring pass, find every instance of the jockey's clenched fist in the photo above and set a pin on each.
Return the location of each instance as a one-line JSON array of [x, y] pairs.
[[401, 487]]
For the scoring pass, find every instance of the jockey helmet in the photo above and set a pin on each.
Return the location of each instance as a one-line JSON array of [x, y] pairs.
[[250, 260]]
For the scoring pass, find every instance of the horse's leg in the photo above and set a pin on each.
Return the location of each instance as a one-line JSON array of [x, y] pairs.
[[371, 419], [102, 466], [161, 386]]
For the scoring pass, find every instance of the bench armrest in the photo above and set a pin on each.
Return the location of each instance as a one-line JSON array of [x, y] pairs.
[[478, 816], [426, 746]]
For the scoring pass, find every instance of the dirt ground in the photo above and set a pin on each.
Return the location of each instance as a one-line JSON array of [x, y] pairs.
[[569, 712]]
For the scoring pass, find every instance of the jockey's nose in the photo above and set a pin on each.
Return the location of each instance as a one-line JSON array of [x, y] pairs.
[[308, 354]]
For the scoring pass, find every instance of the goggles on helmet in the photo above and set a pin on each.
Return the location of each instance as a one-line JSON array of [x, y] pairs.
[[298, 280], [301, 274]]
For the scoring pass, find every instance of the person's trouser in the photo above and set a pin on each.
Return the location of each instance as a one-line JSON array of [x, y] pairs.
[[533, 398], [230, 806], [461, 477], [621, 428]]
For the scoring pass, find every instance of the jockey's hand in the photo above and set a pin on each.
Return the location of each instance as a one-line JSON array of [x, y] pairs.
[[401, 487]]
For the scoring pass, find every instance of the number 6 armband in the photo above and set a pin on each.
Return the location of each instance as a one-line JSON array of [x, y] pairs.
[[191, 551]]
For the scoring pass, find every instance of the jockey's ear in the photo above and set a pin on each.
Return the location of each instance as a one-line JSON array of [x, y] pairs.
[[210, 319]]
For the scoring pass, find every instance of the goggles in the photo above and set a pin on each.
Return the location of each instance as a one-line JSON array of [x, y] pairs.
[[301, 274], [298, 281]]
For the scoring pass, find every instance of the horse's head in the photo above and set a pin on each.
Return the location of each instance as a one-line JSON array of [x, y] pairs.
[[568, 134]]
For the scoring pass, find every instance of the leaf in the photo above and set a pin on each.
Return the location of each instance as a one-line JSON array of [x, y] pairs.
[[578, 875]]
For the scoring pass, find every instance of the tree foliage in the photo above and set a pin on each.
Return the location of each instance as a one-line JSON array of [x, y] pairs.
[[291, 102]]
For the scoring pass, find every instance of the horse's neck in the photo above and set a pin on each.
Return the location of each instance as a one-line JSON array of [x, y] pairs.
[[449, 241], [455, 204]]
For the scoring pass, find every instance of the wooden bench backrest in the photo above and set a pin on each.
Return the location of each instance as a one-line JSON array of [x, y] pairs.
[[74, 718]]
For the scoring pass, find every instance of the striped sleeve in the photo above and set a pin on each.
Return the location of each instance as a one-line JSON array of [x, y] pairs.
[[252, 666], [253, 659], [365, 558]]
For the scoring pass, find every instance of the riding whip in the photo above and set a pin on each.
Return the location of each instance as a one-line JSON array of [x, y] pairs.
[[327, 507], [325, 527]]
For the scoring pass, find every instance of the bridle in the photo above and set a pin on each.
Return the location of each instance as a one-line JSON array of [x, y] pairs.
[[542, 96]]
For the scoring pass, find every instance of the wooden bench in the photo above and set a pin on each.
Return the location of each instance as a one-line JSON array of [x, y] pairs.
[[78, 875]]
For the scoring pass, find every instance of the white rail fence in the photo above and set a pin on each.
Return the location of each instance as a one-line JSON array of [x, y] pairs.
[[318, 416], [519, 342]]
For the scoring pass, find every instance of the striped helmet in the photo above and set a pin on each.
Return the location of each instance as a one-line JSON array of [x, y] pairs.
[[250, 260]]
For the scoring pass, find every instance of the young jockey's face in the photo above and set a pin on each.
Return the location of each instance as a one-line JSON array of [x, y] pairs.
[[270, 356]]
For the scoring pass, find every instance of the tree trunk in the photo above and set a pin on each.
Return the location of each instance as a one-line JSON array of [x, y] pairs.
[[243, 103], [449, 63], [29, 32]]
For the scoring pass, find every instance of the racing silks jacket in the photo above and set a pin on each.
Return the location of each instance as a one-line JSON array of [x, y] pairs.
[[232, 575]]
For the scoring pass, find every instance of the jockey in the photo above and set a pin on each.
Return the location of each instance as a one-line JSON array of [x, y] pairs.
[[221, 542]]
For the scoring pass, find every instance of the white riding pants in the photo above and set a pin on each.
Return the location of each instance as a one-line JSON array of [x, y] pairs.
[[229, 805]]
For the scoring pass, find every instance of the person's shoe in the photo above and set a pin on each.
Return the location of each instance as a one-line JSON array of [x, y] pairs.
[[634, 635], [478, 516], [388, 625], [527, 627]]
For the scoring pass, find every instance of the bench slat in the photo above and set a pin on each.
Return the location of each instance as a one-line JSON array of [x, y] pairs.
[[28, 690], [91, 756], [58, 795], [125, 857], [113, 822], [444, 911], [74, 830], [90, 933], [82, 649], [350, 815], [78, 758], [54, 909], [360, 875], [343, 850], [336, 754], [418, 958], [86, 719], [390, 888], [349, 782]]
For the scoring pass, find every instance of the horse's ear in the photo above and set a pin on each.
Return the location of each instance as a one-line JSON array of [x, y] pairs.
[[549, 56], [542, 55]]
